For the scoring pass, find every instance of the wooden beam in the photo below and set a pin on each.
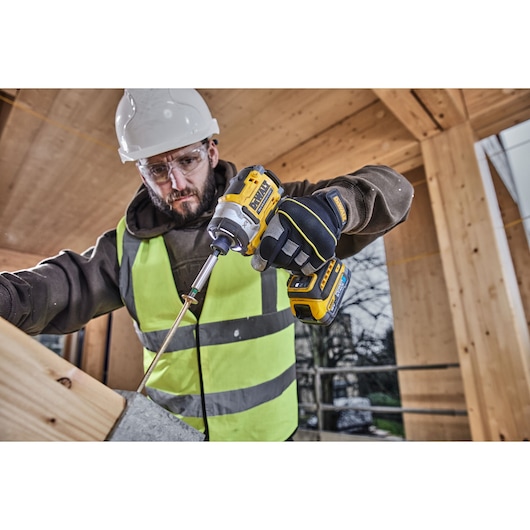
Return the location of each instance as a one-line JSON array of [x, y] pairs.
[[11, 92], [446, 106], [372, 136], [6, 101], [487, 311], [45, 398], [259, 125], [493, 110], [408, 110], [423, 330]]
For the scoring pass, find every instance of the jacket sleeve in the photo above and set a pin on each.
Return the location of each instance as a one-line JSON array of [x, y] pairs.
[[61, 294], [377, 198]]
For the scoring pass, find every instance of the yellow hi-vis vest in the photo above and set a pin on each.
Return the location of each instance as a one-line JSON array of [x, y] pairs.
[[231, 374]]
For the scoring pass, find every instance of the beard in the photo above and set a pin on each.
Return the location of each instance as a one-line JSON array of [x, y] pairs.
[[187, 212]]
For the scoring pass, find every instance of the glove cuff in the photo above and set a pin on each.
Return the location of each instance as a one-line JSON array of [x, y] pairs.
[[336, 203]]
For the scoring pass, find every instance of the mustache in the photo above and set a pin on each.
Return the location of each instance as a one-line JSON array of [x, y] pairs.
[[177, 194]]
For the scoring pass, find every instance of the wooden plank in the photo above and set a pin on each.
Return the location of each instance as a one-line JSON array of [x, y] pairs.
[[6, 101], [446, 106], [259, 125], [126, 368], [493, 110], [16, 146], [59, 154], [413, 160], [10, 92], [45, 398], [372, 136], [408, 110], [488, 316], [423, 331]]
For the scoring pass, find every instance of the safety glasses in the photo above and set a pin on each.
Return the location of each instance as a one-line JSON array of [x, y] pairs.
[[186, 163]]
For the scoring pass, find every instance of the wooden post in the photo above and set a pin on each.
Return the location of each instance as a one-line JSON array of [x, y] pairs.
[[423, 328], [488, 316], [45, 398], [95, 347], [126, 368]]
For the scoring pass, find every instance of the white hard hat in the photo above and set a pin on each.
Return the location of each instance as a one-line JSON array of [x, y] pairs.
[[156, 120]]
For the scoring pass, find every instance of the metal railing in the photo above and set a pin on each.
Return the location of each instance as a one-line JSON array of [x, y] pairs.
[[321, 407]]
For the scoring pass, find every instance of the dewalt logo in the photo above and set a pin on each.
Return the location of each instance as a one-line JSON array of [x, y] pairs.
[[261, 197], [340, 207]]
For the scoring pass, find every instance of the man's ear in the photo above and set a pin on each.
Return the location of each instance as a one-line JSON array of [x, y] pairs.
[[213, 153]]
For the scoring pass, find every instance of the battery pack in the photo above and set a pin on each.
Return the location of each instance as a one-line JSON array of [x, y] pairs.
[[316, 299]]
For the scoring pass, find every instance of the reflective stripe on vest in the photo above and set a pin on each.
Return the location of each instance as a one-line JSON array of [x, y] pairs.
[[220, 403], [236, 366]]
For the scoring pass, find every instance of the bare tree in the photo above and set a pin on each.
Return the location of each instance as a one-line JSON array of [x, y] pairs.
[[360, 335]]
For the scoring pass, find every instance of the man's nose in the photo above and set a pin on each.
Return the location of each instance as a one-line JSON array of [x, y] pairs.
[[178, 180]]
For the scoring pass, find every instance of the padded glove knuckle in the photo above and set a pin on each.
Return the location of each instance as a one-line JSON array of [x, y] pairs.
[[303, 233]]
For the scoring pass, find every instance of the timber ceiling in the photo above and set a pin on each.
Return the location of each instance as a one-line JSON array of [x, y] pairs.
[[62, 183]]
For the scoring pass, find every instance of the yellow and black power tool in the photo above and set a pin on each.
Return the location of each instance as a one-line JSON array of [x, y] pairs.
[[238, 223]]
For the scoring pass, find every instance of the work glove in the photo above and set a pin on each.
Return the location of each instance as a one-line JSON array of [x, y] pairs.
[[303, 233]]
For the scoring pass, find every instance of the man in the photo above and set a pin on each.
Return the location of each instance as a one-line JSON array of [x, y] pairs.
[[229, 370]]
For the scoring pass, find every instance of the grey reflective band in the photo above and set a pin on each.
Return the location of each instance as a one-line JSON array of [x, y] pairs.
[[244, 328], [229, 402], [224, 332], [130, 249], [269, 291], [183, 339]]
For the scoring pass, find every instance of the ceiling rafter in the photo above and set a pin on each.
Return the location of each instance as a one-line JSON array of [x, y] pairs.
[[409, 111]]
